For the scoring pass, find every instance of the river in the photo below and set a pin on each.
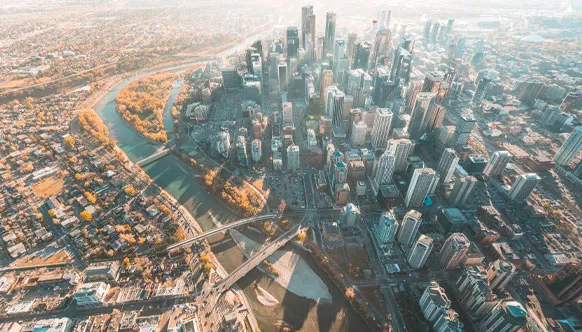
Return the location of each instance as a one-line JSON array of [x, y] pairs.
[[178, 179]]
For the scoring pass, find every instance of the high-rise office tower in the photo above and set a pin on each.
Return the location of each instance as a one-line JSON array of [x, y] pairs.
[[419, 119], [341, 62], [384, 169], [507, 316], [241, 150], [480, 91], [292, 42], [334, 105], [566, 283], [282, 76], [361, 55], [434, 32], [305, 12], [497, 163], [500, 273], [329, 156], [454, 251], [381, 129], [570, 148], [463, 130], [401, 67], [411, 92], [432, 81], [352, 38], [386, 231], [434, 302], [382, 44], [293, 161], [409, 227], [384, 18], [447, 164], [462, 189], [401, 149], [427, 27], [326, 81], [420, 186], [310, 33], [420, 252], [355, 81], [359, 130], [329, 33], [256, 151], [450, 25], [523, 186]]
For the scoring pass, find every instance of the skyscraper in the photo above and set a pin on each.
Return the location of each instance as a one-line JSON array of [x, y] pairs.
[[570, 148], [497, 163], [402, 66], [293, 162], [480, 91], [420, 186], [282, 76], [463, 130], [523, 186], [309, 33], [454, 251], [241, 150], [475, 292], [352, 37], [387, 228], [401, 149], [329, 33], [420, 252], [500, 273], [384, 169], [326, 81], [462, 189], [381, 129], [432, 81], [425, 101], [507, 316], [292, 42], [334, 105], [447, 164], [305, 12], [382, 44], [361, 55], [434, 302], [256, 151], [409, 228], [566, 283]]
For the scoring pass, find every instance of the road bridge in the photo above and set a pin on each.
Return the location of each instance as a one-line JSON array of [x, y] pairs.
[[256, 259], [223, 228]]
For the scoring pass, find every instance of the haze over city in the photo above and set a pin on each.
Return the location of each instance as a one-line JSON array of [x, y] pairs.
[[196, 165]]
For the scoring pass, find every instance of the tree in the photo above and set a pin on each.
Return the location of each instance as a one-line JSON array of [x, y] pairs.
[[350, 294], [90, 198], [204, 258], [69, 142], [130, 191], [301, 237], [78, 176], [126, 261], [208, 267], [52, 212], [86, 216]]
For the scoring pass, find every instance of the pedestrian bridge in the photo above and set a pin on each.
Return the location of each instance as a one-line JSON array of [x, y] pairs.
[[222, 228], [158, 155]]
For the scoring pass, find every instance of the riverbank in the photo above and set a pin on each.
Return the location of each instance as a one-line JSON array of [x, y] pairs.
[[177, 178]]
